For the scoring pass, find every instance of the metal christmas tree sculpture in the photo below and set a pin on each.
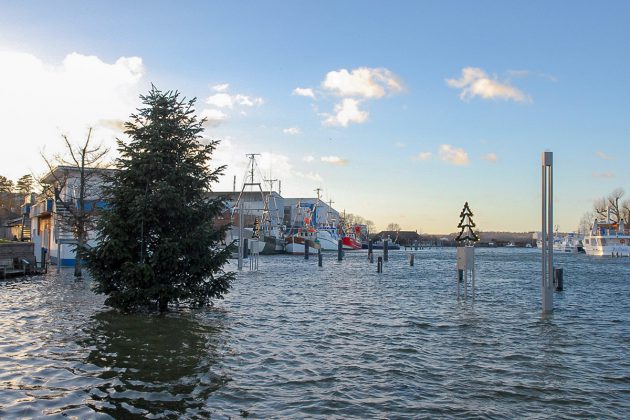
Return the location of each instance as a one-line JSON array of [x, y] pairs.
[[466, 225]]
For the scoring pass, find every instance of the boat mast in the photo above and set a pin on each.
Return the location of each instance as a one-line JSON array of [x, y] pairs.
[[314, 215], [251, 183]]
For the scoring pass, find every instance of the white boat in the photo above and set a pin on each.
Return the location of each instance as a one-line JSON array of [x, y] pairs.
[[266, 227], [294, 244], [510, 245], [608, 238], [328, 238], [254, 245], [569, 243]]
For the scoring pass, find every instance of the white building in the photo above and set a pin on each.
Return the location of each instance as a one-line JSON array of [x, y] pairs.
[[53, 240]]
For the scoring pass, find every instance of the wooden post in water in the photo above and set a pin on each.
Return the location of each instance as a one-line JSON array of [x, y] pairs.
[[339, 250], [547, 233], [319, 258], [379, 265], [411, 258], [386, 250], [370, 251], [306, 250], [558, 277]]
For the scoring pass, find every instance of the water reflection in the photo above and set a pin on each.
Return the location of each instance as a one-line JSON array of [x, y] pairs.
[[155, 365]]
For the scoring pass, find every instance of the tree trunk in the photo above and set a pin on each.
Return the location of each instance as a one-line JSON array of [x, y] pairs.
[[77, 258], [163, 304]]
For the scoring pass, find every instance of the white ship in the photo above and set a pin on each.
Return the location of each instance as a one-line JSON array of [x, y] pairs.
[[570, 243], [608, 238]]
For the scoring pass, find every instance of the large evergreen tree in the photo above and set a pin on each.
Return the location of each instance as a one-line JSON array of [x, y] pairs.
[[157, 242]]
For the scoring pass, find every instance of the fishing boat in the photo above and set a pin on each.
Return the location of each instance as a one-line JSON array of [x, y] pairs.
[[266, 229], [352, 240], [295, 243], [380, 244], [328, 238], [608, 238]]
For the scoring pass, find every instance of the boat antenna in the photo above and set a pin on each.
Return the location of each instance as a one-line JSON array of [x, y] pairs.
[[271, 181], [252, 158]]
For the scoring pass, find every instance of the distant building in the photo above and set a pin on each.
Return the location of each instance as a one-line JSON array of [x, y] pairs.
[[299, 210], [254, 205]]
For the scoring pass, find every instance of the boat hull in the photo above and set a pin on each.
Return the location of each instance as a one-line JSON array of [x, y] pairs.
[[295, 246], [607, 246], [350, 243], [273, 245]]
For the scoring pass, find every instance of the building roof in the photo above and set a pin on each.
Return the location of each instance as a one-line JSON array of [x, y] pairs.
[[63, 171]]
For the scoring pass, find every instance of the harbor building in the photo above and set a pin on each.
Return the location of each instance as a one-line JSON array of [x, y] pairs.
[[49, 213]]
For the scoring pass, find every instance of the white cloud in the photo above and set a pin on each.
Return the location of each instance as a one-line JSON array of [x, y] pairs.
[[491, 157], [214, 117], [354, 87], [399, 145], [603, 155], [308, 92], [308, 158], [603, 175], [362, 82], [454, 155], [42, 100], [231, 152], [311, 176], [475, 82], [334, 160], [293, 131], [222, 102], [346, 112], [225, 100], [424, 156], [221, 87]]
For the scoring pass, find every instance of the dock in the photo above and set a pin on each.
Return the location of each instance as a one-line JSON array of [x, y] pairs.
[[18, 259]]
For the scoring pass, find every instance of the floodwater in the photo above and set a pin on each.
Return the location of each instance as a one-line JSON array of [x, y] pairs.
[[293, 340]]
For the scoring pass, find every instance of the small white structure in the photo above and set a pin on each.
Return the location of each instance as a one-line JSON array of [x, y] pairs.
[[466, 268]]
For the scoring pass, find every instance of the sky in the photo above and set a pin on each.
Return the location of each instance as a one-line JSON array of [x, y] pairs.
[[400, 111]]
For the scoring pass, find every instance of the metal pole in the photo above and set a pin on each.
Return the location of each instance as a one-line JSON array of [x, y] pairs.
[[240, 235], [58, 256], [547, 232]]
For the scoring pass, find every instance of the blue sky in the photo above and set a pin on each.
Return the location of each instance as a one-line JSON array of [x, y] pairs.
[[416, 107]]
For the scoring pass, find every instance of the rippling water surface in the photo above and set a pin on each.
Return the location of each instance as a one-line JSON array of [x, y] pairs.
[[295, 340]]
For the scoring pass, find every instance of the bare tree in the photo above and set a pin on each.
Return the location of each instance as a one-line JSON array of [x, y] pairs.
[[395, 227], [611, 203], [74, 181], [586, 222], [600, 208], [371, 227], [625, 211]]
